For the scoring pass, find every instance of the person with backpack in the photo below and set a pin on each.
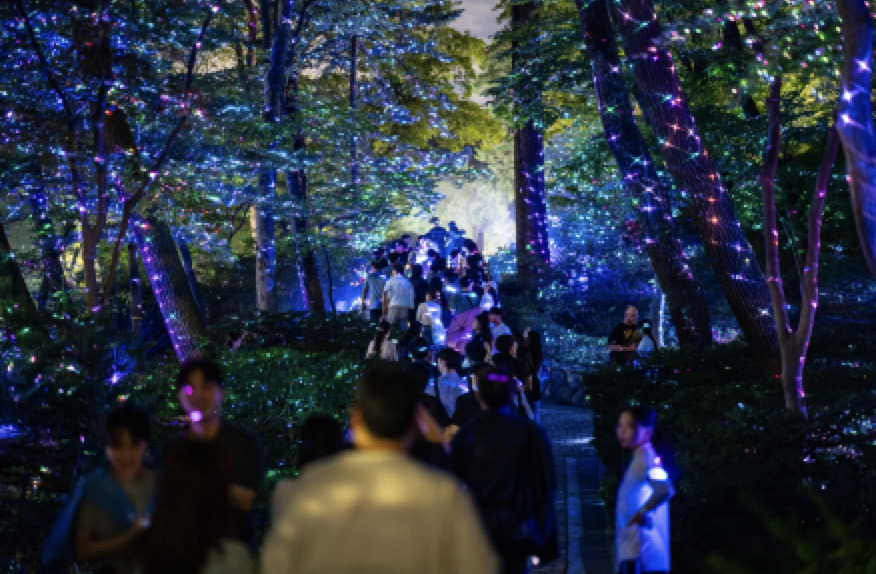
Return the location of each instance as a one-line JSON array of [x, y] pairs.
[[507, 464]]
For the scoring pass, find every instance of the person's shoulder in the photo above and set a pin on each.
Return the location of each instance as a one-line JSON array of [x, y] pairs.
[[236, 432]]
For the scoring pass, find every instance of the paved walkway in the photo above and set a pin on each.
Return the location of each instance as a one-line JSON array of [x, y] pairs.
[[585, 545]]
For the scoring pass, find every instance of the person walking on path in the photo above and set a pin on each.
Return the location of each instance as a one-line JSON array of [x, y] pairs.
[[398, 297], [374, 509], [381, 345], [372, 293], [642, 514], [507, 464]]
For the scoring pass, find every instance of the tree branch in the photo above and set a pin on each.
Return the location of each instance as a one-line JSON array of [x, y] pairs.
[[809, 282], [69, 115], [770, 229], [131, 202]]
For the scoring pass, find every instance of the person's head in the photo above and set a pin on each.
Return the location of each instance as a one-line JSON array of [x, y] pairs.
[[451, 225], [646, 328], [631, 315], [416, 271], [126, 437], [482, 325], [406, 239], [449, 361], [383, 329], [635, 426], [192, 509], [400, 247], [432, 254], [506, 344], [430, 295], [434, 221], [375, 266], [398, 269], [200, 388], [386, 402], [495, 386], [465, 284], [320, 436], [393, 258], [475, 352], [497, 315], [470, 245]]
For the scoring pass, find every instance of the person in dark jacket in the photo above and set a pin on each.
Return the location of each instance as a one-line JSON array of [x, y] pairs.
[[507, 464]]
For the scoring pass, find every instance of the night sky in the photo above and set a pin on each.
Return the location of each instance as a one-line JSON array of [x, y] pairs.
[[478, 18]]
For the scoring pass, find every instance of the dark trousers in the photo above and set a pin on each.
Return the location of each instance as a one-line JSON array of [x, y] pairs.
[[375, 315], [515, 565]]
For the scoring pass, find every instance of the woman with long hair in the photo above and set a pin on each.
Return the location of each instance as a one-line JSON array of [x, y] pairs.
[[381, 345], [483, 334], [191, 525], [642, 514]]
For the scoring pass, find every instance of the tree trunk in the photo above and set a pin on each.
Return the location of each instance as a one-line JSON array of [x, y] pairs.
[[53, 289], [354, 88], [186, 257], [171, 286], [793, 344], [281, 101], [732, 258], [16, 305], [687, 306], [530, 203], [135, 289], [855, 125], [262, 222]]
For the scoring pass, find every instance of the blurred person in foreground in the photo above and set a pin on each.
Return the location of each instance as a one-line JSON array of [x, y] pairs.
[[191, 526], [201, 391], [642, 513], [110, 507], [374, 509]]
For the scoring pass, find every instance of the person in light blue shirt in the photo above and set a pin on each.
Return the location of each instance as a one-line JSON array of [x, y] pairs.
[[449, 386]]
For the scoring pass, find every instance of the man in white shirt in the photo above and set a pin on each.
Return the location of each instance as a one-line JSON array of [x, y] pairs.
[[398, 297], [374, 509]]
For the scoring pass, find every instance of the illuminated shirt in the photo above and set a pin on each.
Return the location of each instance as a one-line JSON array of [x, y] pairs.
[[363, 511], [649, 543]]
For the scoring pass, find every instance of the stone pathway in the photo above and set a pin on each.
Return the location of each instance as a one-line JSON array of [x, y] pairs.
[[585, 544]]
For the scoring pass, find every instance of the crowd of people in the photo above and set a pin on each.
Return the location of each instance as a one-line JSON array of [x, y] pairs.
[[442, 467]]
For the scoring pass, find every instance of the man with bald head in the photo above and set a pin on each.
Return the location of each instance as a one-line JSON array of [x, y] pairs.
[[625, 337]]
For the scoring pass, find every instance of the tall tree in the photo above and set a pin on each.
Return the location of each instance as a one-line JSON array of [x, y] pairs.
[[711, 206], [856, 120], [687, 306], [530, 201], [793, 343]]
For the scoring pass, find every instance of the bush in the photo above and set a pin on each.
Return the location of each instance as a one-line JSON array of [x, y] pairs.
[[738, 455]]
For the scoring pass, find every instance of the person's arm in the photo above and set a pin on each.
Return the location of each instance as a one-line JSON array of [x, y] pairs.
[[243, 490], [661, 491], [392, 352], [85, 545], [242, 497]]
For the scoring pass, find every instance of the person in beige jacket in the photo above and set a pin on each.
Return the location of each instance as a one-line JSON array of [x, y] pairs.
[[374, 509]]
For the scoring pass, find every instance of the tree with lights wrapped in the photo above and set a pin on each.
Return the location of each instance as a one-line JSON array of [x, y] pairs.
[[687, 306], [530, 198], [711, 206], [856, 129], [793, 343]]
